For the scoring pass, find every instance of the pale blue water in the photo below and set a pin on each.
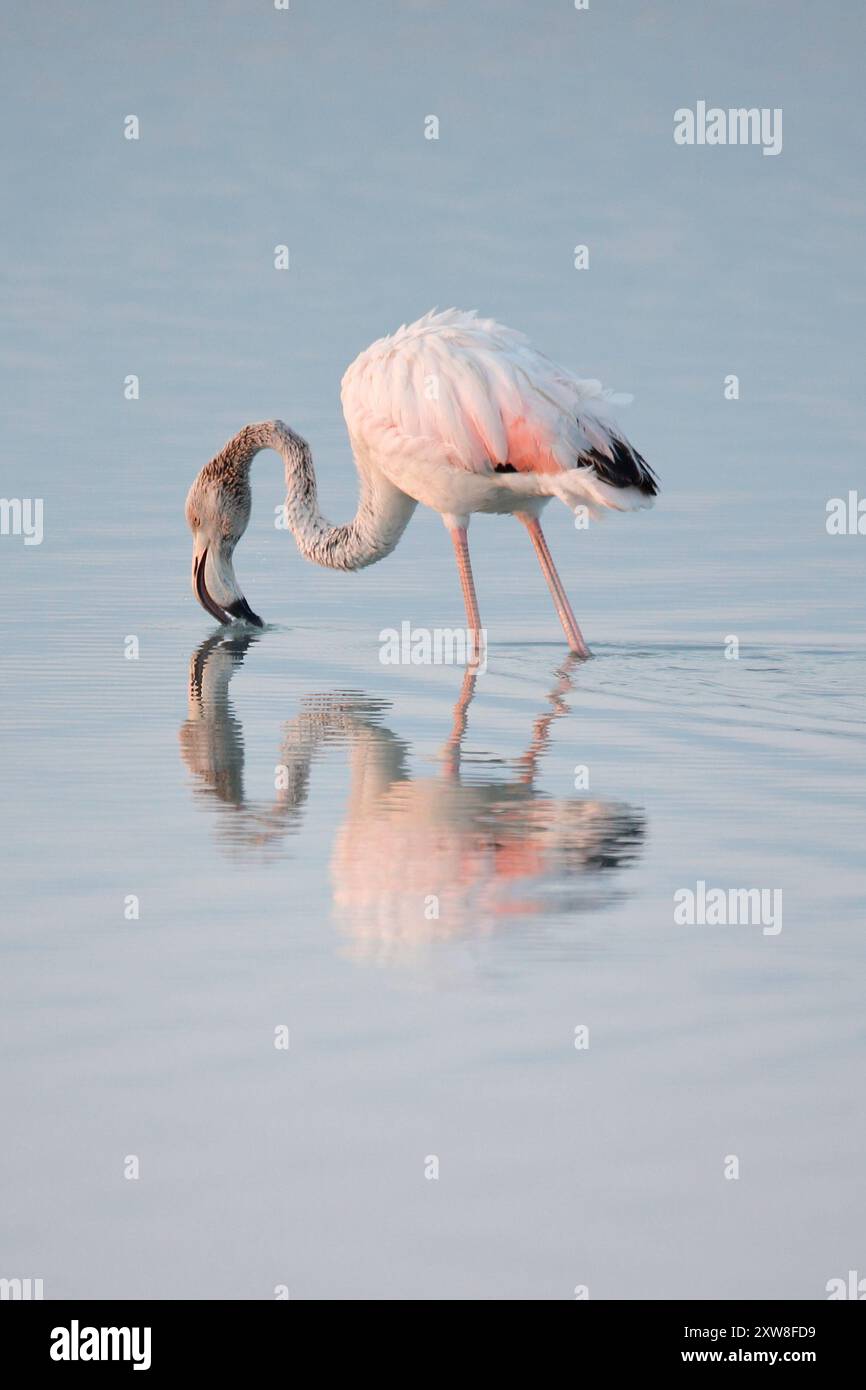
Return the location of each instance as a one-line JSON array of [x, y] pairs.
[[307, 904]]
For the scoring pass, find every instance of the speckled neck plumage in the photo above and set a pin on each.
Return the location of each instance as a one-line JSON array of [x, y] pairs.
[[350, 546]]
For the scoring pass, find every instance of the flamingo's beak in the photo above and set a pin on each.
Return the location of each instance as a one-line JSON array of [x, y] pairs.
[[235, 607], [241, 610]]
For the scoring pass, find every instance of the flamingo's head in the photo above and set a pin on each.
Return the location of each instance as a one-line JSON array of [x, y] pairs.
[[217, 517]]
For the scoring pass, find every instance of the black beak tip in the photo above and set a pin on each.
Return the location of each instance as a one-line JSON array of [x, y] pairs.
[[241, 609]]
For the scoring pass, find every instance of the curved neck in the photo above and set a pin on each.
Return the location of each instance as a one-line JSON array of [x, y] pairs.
[[382, 515]]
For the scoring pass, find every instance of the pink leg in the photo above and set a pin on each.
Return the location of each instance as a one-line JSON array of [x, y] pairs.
[[554, 584], [464, 569]]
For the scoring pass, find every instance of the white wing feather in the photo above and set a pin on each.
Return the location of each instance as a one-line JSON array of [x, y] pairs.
[[474, 394]]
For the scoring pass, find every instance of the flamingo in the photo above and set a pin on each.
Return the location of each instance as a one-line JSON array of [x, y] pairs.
[[454, 411]]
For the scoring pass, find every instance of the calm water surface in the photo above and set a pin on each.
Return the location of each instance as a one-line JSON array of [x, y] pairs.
[[306, 904]]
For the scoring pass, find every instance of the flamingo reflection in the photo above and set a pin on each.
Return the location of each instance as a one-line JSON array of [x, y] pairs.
[[416, 857]]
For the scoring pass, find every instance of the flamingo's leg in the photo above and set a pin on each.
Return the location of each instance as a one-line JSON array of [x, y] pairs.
[[554, 583], [467, 584]]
